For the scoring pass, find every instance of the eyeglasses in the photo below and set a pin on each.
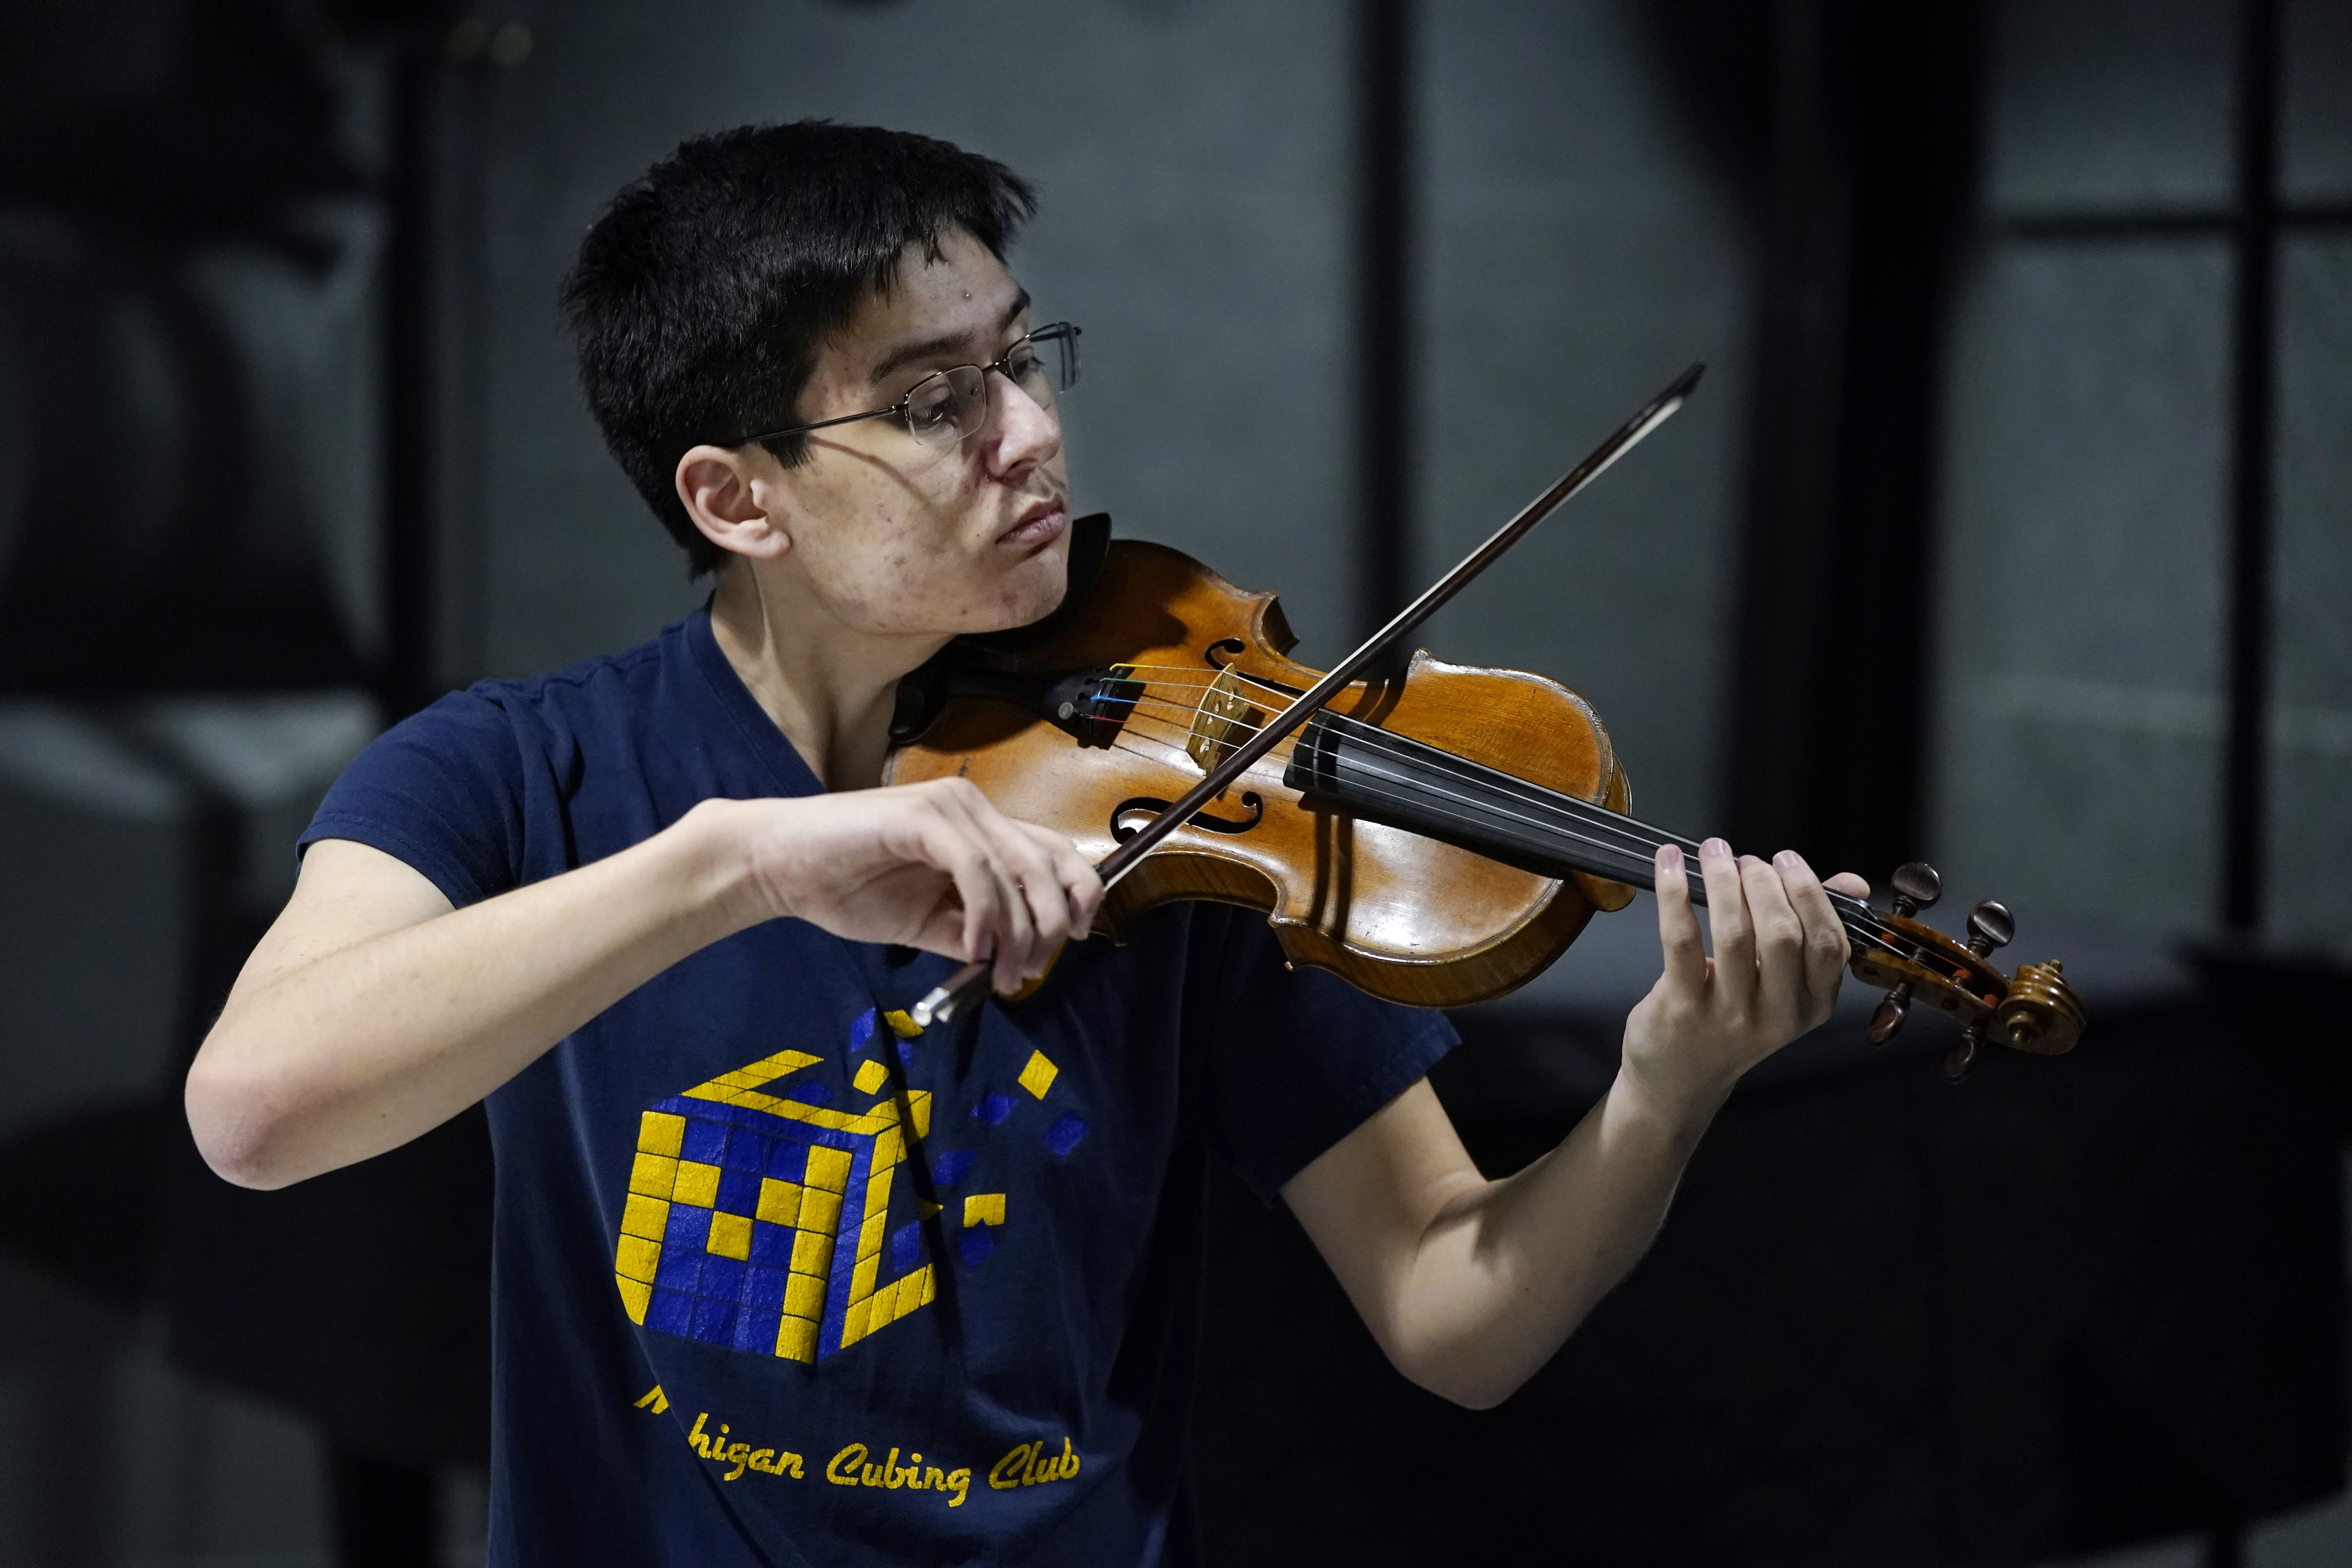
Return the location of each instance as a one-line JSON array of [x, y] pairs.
[[948, 405]]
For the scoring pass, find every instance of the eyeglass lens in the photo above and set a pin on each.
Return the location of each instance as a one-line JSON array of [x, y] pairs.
[[951, 404]]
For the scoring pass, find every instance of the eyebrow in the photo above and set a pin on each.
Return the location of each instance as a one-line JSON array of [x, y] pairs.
[[931, 348]]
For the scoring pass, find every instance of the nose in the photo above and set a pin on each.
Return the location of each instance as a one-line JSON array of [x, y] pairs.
[[1021, 432]]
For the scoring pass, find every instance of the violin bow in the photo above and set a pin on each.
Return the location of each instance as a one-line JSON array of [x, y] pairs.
[[951, 995]]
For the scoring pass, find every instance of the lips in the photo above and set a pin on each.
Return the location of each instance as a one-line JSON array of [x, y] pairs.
[[1040, 523]]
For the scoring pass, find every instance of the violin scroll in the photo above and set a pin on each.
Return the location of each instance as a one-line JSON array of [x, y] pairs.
[[2040, 1014], [2035, 1010]]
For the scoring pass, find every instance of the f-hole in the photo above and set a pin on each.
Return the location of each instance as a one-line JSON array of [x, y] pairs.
[[1149, 806]]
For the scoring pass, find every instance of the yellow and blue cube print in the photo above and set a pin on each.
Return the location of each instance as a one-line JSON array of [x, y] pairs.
[[759, 1222]]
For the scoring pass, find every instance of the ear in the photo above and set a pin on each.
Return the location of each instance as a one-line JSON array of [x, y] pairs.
[[722, 491]]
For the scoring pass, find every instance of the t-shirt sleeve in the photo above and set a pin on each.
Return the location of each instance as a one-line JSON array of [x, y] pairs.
[[441, 792], [1301, 1059]]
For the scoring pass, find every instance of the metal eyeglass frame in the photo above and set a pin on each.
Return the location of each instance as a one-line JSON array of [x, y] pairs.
[[1052, 331]]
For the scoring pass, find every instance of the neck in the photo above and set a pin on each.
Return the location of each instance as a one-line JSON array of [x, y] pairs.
[[829, 686], [1414, 785]]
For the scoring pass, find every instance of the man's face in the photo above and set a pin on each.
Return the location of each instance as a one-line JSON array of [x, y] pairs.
[[895, 537]]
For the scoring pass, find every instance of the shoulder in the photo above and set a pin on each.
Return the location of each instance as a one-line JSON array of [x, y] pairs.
[[455, 790], [610, 690]]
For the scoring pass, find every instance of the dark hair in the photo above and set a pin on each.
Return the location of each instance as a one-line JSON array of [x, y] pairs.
[[702, 293]]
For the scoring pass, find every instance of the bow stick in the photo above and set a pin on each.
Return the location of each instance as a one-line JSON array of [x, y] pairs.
[[951, 994]]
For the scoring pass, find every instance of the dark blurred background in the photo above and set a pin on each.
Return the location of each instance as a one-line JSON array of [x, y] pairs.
[[2010, 530]]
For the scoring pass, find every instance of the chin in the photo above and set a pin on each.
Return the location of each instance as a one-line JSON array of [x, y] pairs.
[[1030, 592]]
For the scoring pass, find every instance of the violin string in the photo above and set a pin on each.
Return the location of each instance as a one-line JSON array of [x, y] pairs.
[[1598, 817], [1630, 844], [1853, 914], [1869, 931], [1862, 935], [1852, 909]]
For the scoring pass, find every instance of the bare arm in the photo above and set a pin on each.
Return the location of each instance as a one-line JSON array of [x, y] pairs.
[[372, 1012], [1469, 1285]]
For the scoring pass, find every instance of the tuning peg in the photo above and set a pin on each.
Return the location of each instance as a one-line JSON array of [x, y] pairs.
[[1964, 1055], [1889, 1016], [1991, 925], [1917, 887]]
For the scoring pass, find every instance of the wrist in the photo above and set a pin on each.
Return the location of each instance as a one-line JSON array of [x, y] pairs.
[[1680, 1108], [717, 868]]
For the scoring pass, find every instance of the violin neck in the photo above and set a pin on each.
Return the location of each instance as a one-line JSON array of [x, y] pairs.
[[1413, 785]]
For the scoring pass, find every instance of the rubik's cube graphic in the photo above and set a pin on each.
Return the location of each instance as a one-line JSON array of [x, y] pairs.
[[757, 1220], [758, 1214]]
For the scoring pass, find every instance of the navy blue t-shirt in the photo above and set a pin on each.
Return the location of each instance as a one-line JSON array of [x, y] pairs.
[[780, 1279]]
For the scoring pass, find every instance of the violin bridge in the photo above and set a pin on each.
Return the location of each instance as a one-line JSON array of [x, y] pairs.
[[1222, 712]]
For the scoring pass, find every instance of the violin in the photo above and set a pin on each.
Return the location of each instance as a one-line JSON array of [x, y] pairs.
[[1434, 834]]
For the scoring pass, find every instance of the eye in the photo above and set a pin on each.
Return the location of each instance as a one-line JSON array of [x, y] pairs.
[[931, 405], [1024, 365]]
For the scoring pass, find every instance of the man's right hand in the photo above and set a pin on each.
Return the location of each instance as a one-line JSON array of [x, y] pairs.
[[933, 866]]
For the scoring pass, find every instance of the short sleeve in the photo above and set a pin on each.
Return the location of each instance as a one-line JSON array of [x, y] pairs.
[[441, 792], [1301, 1059]]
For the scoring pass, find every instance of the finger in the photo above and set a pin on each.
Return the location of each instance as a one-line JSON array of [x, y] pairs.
[[1049, 901], [1035, 886], [942, 928], [1826, 949], [1846, 882], [1678, 932], [944, 842], [1081, 885], [1038, 913], [1014, 932], [1780, 990], [1727, 916]]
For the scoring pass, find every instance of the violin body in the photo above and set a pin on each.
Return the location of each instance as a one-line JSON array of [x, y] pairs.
[[1129, 696]]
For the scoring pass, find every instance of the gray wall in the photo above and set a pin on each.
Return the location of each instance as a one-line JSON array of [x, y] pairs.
[[1577, 256], [2311, 795], [2311, 805], [109, 1452], [2083, 575]]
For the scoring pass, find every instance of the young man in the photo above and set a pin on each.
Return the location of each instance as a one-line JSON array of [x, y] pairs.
[[780, 1277]]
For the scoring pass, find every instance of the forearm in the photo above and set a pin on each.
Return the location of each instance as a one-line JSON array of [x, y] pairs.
[[354, 1051], [1506, 1271], [1471, 1285]]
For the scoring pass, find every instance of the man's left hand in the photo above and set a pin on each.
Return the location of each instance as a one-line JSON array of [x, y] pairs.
[[1779, 952]]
